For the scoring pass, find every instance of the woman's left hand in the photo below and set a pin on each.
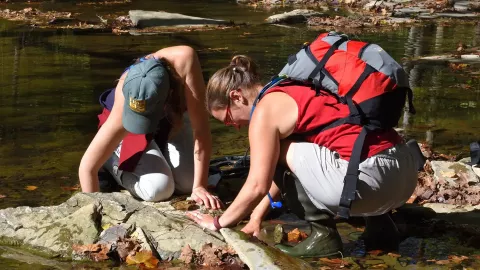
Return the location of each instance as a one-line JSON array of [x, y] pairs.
[[202, 196], [204, 220]]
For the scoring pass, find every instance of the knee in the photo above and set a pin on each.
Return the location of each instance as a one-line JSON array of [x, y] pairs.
[[155, 187]]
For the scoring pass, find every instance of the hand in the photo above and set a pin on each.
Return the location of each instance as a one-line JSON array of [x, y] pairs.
[[202, 196], [204, 220], [253, 227]]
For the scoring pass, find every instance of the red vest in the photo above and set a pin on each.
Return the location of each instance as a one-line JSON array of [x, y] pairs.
[[317, 111]]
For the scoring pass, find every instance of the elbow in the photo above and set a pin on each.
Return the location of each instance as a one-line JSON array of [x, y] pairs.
[[260, 190]]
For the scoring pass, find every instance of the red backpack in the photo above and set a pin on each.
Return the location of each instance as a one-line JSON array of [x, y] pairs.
[[359, 74]]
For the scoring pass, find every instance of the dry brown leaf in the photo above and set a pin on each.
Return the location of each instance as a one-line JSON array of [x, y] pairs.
[[442, 262], [187, 254], [411, 199], [379, 266], [336, 262], [96, 252], [375, 252], [143, 257], [457, 259], [394, 255], [30, 188], [296, 236], [74, 188]]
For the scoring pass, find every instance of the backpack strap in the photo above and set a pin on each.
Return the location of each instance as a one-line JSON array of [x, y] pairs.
[[351, 178], [328, 54]]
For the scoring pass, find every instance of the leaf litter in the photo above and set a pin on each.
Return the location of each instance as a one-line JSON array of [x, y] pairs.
[[212, 256]]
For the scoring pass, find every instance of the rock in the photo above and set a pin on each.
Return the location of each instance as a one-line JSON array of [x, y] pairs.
[[259, 256], [80, 219], [141, 18], [443, 208], [427, 15], [35, 262], [411, 10], [449, 59], [295, 16], [461, 6], [450, 171], [465, 160], [374, 4]]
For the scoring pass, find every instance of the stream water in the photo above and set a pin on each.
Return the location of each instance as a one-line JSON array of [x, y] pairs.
[[50, 81]]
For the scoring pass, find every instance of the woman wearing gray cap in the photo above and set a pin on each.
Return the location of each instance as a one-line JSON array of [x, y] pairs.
[[145, 140]]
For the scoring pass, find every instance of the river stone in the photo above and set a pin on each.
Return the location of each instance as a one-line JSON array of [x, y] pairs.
[[294, 16], [450, 59], [449, 170], [374, 4], [80, 219], [142, 18], [462, 6], [259, 256]]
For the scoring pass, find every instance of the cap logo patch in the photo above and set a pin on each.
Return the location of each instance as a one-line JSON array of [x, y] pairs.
[[137, 105]]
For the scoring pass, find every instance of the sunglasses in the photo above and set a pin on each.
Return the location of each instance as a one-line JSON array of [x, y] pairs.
[[228, 120]]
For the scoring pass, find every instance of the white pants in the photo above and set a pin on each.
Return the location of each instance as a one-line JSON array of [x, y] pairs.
[[386, 180], [156, 175]]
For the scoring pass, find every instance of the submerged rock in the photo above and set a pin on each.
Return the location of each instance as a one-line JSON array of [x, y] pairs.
[[142, 18], [260, 256], [80, 219], [294, 16]]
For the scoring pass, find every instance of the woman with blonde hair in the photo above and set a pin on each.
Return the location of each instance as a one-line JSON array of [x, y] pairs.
[[145, 139], [387, 174]]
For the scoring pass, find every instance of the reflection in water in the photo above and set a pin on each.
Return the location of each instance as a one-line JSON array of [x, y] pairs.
[[51, 82]]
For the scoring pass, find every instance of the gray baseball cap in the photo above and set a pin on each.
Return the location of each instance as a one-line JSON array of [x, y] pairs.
[[145, 90]]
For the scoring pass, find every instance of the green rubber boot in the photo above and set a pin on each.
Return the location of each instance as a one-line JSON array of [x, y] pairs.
[[324, 239]]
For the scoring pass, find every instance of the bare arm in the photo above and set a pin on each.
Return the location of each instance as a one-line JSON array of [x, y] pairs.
[[265, 148], [186, 63], [103, 144]]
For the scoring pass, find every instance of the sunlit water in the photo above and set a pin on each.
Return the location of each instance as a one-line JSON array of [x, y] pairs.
[[50, 82]]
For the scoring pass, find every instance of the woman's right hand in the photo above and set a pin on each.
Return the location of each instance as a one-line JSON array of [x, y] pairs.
[[253, 227]]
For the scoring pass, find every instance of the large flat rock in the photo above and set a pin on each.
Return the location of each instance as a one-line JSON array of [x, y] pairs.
[[450, 171], [143, 18], [466, 58], [294, 16], [80, 219]]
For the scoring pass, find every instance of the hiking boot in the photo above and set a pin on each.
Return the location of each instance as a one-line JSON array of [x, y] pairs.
[[381, 233], [324, 239]]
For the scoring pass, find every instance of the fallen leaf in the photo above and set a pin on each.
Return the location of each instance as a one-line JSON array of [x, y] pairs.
[[375, 252], [127, 247], [337, 262], [457, 259], [379, 266], [411, 199], [143, 257], [76, 187], [394, 255], [95, 252], [187, 254], [442, 262], [2, 196], [30, 188], [296, 236]]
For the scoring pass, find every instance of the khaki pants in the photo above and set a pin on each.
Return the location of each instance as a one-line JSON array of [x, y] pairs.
[[386, 180]]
